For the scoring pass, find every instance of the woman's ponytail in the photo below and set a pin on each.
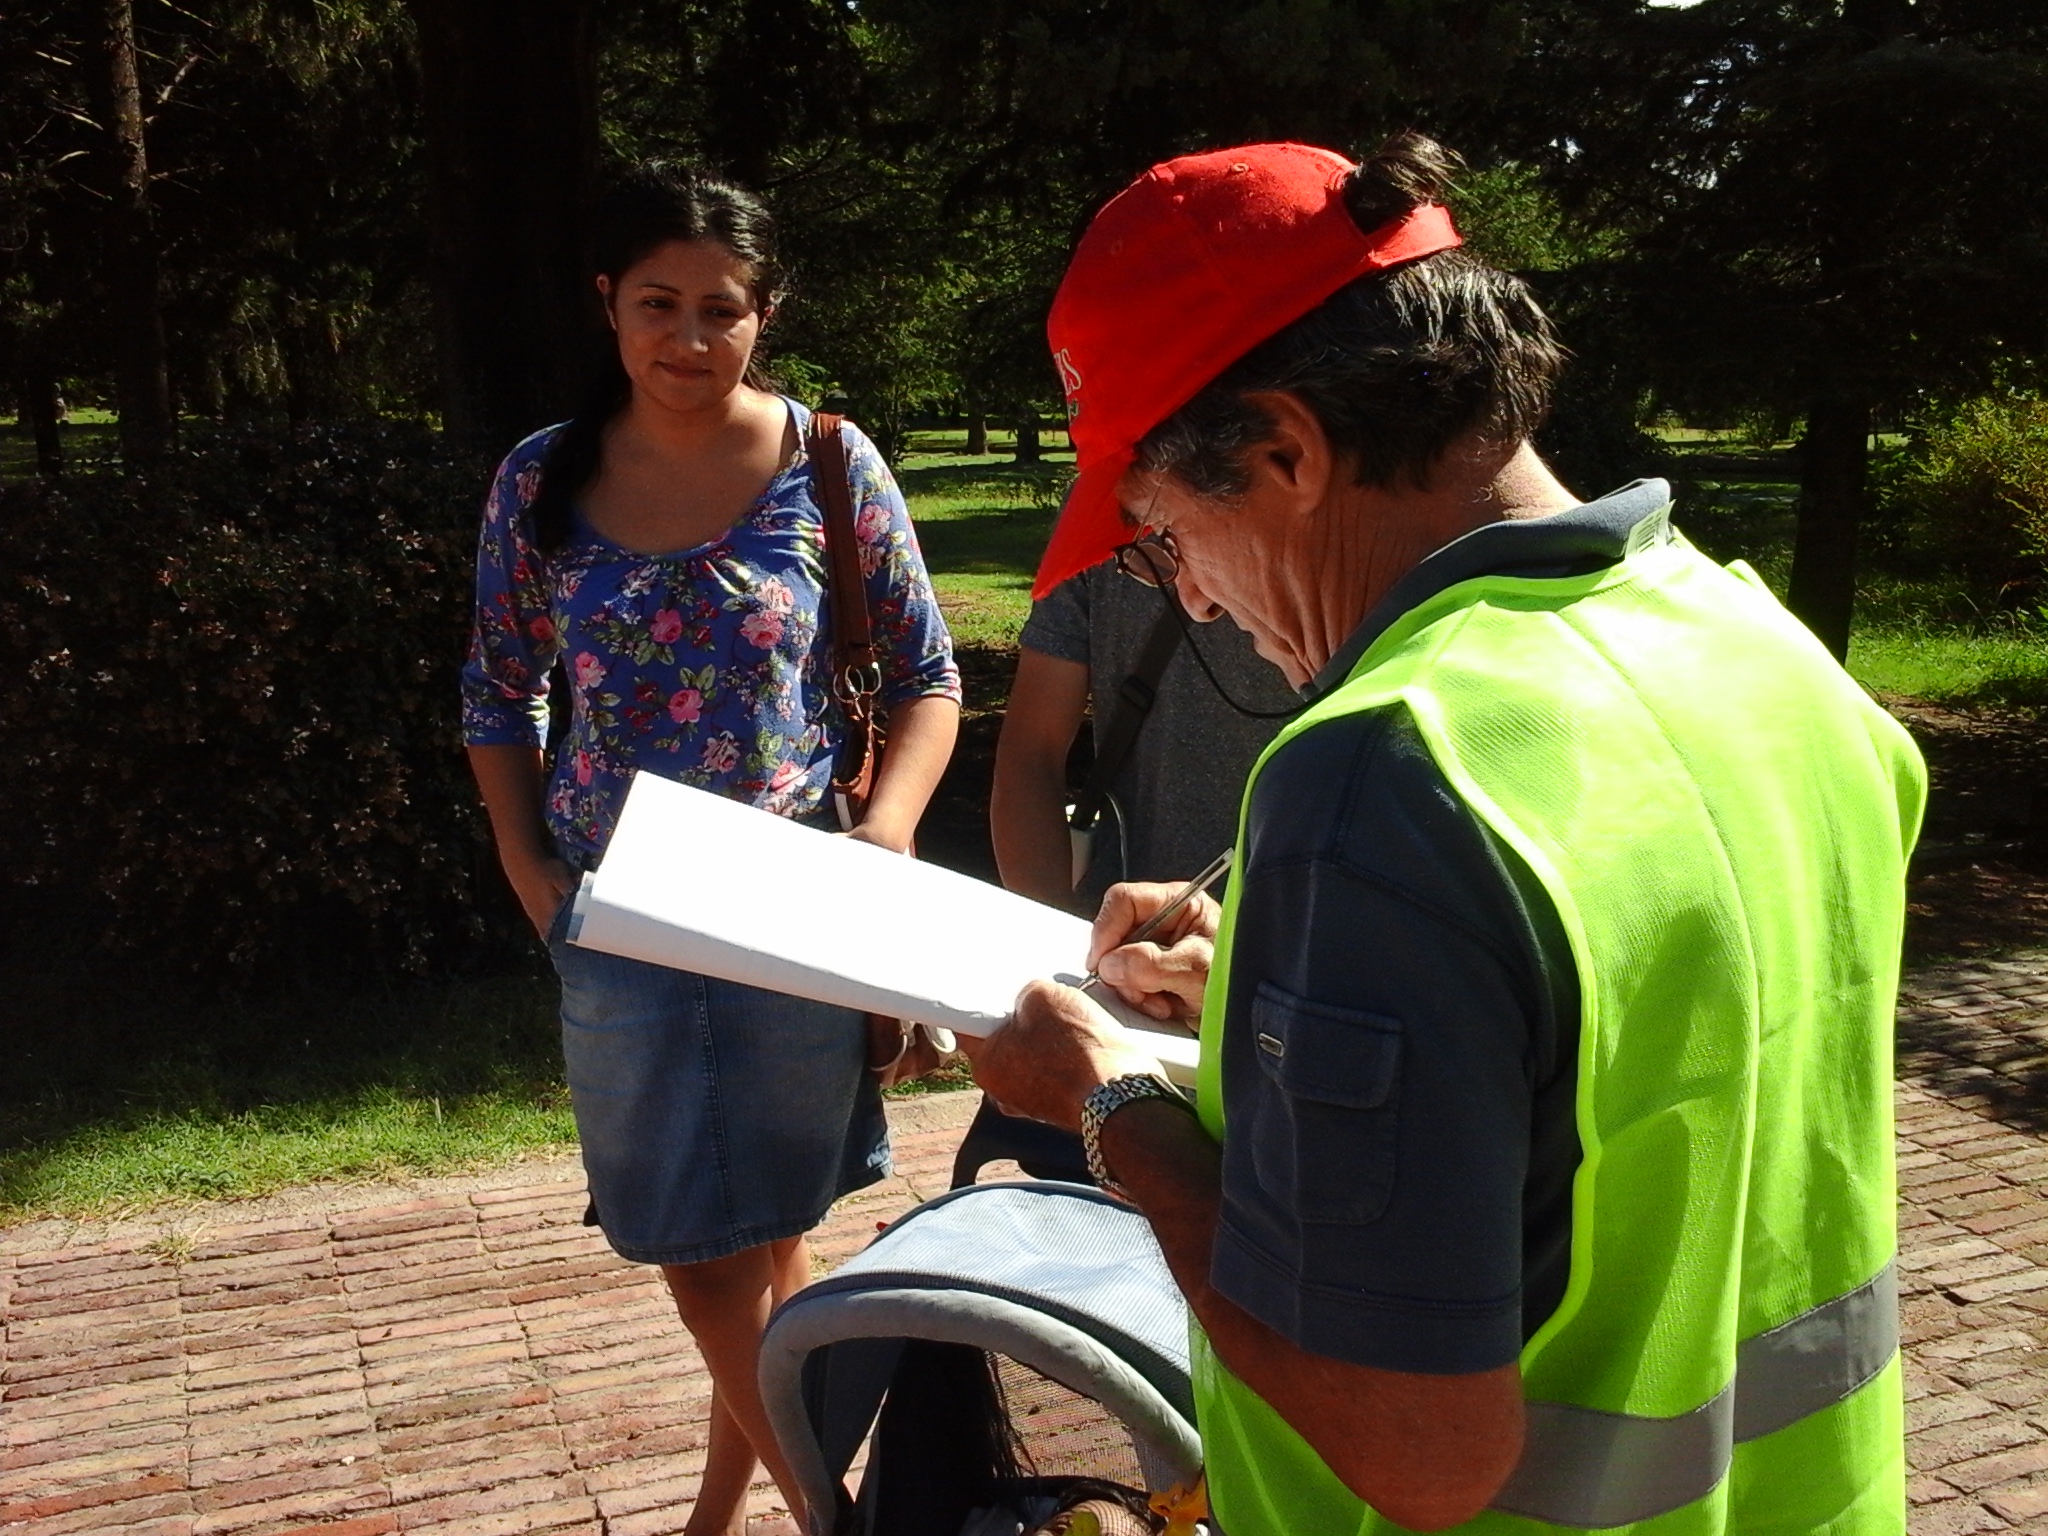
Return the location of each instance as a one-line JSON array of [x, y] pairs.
[[573, 456]]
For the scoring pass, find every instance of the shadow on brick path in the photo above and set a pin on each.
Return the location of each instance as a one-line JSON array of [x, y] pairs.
[[1976, 1032]]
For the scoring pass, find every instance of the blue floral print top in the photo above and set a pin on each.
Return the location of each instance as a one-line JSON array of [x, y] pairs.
[[711, 665]]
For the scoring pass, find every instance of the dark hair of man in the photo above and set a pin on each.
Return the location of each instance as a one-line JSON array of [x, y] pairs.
[[648, 207], [1397, 366]]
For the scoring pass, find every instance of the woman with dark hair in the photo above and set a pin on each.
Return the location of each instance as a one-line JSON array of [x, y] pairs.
[[667, 544]]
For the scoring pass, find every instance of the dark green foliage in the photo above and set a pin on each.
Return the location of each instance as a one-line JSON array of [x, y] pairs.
[[1830, 207], [229, 690], [1968, 496], [284, 152]]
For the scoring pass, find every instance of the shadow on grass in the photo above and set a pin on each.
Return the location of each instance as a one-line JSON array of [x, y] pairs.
[[1005, 541], [121, 1094], [1010, 484]]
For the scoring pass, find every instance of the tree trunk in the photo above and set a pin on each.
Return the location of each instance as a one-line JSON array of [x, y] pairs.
[[128, 265], [977, 433], [1027, 438], [511, 124], [312, 369], [39, 415], [1834, 471]]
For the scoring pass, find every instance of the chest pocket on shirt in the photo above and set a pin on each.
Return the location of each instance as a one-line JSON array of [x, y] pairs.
[[1323, 1126]]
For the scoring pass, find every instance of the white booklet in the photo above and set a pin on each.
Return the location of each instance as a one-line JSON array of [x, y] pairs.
[[702, 883]]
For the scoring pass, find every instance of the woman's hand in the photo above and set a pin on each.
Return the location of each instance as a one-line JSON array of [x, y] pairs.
[[510, 778], [921, 733], [542, 882], [1167, 976], [1055, 1050]]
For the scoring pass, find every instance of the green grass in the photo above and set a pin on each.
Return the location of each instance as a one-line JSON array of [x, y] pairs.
[[129, 1163], [1915, 636], [119, 1097], [983, 523], [2004, 666], [89, 438]]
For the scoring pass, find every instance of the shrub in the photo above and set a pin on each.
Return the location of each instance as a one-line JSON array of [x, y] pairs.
[[231, 686], [1970, 494]]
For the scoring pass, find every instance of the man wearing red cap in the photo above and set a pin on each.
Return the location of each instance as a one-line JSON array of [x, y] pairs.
[[1540, 1170]]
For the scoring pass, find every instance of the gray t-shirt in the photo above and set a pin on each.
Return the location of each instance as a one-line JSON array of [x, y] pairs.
[[1179, 788]]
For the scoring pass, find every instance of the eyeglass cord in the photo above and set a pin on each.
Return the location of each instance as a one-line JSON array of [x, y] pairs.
[[1187, 635]]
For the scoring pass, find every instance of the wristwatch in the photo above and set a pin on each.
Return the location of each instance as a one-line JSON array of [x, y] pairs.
[[1106, 1101]]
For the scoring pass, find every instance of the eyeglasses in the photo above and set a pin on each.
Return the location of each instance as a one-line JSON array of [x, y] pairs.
[[1152, 558]]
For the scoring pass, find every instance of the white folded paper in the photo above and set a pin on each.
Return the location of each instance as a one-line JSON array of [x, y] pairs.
[[703, 883]]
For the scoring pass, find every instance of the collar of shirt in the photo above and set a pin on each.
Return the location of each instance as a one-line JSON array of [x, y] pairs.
[[1584, 538]]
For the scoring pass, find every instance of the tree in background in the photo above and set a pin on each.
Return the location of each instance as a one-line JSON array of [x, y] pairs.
[[1830, 209], [1029, 114], [130, 284], [283, 152], [512, 139], [1815, 209], [30, 298]]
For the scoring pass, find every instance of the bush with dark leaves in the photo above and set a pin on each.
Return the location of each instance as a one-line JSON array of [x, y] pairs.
[[1969, 496], [230, 688]]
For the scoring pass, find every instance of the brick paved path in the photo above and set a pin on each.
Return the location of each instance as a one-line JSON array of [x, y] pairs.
[[469, 1360], [1973, 1219]]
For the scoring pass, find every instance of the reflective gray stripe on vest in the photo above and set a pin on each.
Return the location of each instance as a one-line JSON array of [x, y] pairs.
[[1583, 1467]]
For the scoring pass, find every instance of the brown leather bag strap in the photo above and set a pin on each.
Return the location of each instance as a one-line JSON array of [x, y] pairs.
[[856, 673]]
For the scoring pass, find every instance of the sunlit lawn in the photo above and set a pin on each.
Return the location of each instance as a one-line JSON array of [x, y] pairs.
[[88, 438], [2002, 667], [983, 522]]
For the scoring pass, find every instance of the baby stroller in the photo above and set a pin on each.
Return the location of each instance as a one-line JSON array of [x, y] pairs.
[[1012, 1347]]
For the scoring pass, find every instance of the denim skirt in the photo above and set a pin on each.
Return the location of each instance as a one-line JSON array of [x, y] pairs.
[[713, 1116]]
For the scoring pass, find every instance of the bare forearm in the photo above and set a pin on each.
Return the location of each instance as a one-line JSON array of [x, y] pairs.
[[1175, 1173], [921, 736], [1028, 802], [510, 779], [1027, 817]]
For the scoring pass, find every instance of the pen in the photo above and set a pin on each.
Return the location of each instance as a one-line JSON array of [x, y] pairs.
[[1187, 893]]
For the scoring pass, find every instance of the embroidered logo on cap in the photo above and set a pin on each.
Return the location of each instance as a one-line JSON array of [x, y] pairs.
[[1070, 380]]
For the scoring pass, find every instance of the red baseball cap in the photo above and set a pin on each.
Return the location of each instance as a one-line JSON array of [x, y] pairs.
[[1182, 273]]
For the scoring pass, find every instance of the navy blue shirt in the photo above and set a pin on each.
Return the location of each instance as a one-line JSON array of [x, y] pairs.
[[1399, 1063]]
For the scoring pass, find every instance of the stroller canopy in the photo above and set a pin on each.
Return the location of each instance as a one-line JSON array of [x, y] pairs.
[[1057, 1277]]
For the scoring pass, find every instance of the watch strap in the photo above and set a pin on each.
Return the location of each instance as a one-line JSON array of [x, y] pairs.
[[1105, 1101]]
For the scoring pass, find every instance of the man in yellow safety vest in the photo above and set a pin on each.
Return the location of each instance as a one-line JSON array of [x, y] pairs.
[[1539, 1175]]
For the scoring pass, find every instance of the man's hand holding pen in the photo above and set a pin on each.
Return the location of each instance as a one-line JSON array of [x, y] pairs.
[[1166, 974], [1061, 1044]]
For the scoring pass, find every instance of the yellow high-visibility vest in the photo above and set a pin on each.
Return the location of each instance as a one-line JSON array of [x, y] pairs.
[[1722, 818]]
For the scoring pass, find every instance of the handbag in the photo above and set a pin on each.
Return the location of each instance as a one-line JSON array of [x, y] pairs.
[[899, 1051]]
